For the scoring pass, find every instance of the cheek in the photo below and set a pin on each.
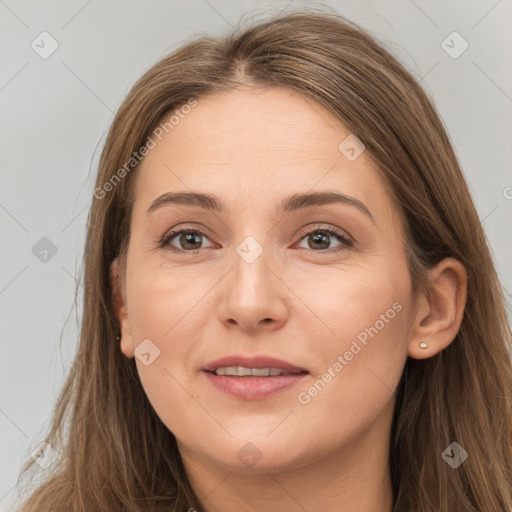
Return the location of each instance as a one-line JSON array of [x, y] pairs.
[[162, 301], [167, 306], [355, 302], [361, 360]]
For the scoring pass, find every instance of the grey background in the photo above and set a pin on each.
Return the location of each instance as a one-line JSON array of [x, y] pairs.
[[55, 113]]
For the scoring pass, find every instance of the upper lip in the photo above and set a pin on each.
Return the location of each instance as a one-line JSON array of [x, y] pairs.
[[252, 362]]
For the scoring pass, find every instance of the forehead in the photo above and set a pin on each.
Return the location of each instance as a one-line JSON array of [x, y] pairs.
[[249, 143]]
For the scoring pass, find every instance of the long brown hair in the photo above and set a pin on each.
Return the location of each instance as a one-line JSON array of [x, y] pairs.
[[116, 454]]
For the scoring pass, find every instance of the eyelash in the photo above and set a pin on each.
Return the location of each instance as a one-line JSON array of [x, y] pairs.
[[165, 243]]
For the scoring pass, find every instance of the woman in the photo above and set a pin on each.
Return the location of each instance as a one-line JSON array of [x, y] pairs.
[[289, 299]]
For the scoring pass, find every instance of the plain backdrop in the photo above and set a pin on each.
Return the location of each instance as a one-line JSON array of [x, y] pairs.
[[55, 113]]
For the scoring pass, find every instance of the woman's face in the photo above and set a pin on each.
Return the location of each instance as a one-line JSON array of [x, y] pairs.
[[262, 278]]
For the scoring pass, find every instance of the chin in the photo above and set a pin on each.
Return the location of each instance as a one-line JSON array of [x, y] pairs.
[[260, 455]]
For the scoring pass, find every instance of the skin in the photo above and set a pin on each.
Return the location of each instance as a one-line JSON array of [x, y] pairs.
[[298, 301]]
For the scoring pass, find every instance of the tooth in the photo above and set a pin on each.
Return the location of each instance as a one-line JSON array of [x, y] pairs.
[[261, 372], [243, 372]]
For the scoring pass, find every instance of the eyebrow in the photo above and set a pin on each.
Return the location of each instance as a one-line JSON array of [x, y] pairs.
[[291, 203]]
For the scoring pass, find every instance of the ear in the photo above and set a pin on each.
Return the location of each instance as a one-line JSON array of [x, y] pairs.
[[119, 304], [440, 310]]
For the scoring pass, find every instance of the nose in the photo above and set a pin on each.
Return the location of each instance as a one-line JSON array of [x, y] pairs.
[[255, 296]]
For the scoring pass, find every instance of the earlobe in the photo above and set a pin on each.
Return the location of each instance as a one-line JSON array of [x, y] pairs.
[[440, 310], [118, 303]]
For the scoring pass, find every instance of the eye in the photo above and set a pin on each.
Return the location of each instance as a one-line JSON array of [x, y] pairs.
[[189, 240], [320, 238]]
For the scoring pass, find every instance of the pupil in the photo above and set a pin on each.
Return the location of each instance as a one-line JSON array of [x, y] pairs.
[[190, 237], [318, 238]]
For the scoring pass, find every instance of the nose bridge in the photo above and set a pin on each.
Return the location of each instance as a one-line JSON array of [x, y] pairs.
[[253, 294], [251, 272]]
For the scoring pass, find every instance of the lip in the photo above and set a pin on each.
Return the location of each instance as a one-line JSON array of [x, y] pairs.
[[253, 388], [253, 362]]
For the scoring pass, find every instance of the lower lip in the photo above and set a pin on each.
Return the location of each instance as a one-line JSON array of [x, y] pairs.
[[254, 388]]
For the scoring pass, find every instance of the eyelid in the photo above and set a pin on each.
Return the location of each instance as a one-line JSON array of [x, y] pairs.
[[184, 227]]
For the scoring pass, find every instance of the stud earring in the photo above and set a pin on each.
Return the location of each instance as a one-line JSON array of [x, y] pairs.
[[118, 339], [423, 345]]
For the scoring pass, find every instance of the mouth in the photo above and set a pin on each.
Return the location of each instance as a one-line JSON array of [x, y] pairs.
[[242, 371], [253, 378]]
